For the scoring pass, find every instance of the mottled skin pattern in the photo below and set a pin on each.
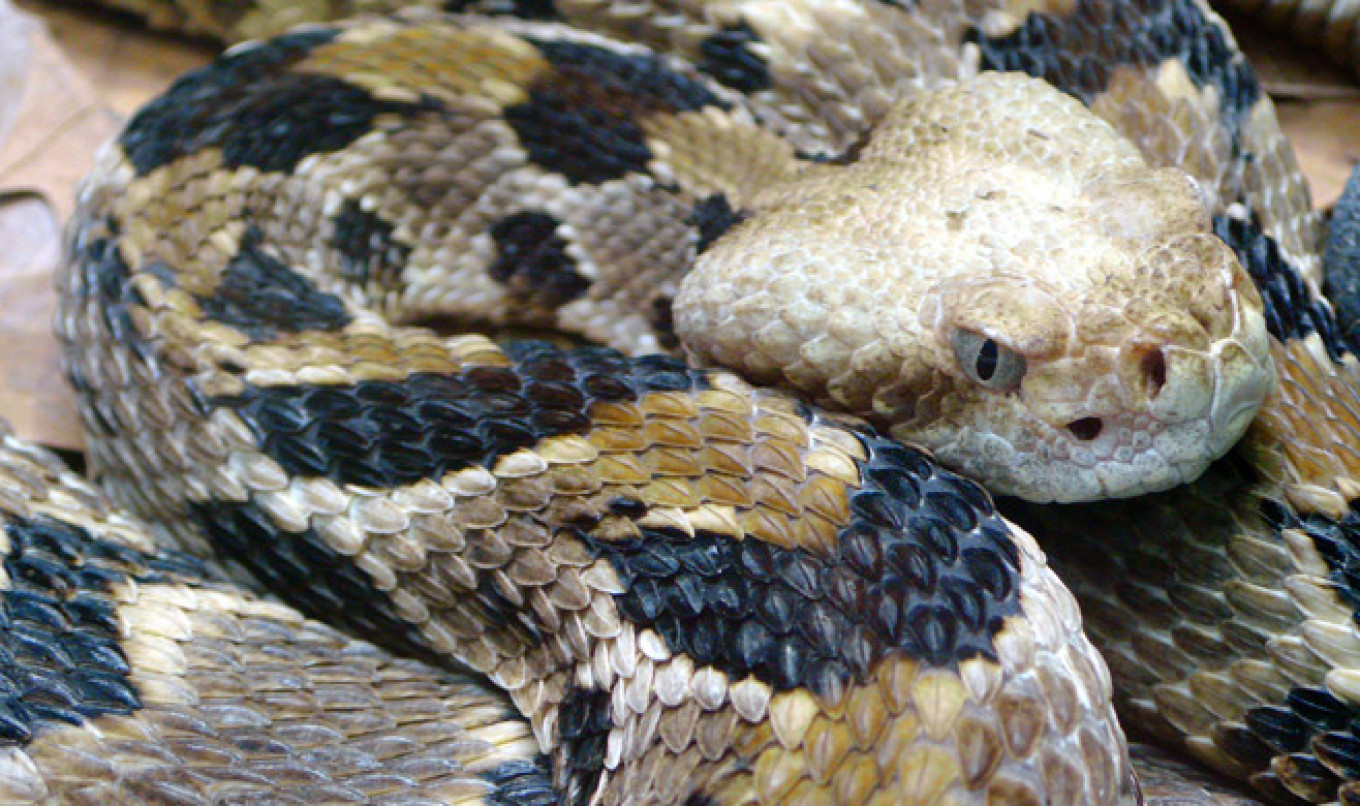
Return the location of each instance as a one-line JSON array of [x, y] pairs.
[[135, 675], [694, 590], [1109, 399]]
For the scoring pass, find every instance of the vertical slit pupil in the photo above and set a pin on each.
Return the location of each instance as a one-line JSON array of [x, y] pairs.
[[986, 360]]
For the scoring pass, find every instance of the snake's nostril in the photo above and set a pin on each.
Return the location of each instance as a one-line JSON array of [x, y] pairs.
[[1085, 429], [1153, 366]]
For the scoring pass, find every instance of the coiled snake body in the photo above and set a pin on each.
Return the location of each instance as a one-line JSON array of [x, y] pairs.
[[683, 587]]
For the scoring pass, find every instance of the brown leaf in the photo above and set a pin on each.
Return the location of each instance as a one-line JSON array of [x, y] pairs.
[[60, 121], [51, 124], [34, 396], [1324, 137]]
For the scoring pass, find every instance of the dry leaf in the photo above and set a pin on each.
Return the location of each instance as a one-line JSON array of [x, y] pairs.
[[15, 30], [1326, 138], [51, 124], [34, 396], [126, 63], [61, 121]]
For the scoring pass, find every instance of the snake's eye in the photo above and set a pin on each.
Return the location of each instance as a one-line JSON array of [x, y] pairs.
[[988, 362]]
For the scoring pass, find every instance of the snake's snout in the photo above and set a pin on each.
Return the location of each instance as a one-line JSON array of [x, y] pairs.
[[1144, 380], [1244, 372], [1190, 381], [1218, 378]]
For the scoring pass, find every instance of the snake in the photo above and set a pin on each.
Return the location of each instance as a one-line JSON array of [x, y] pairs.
[[873, 295]]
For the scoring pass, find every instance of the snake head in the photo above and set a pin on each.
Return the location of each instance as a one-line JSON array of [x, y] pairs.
[[1132, 385], [1001, 278]]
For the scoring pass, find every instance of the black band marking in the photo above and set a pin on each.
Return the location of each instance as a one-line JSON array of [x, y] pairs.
[[524, 9], [106, 279], [384, 434], [526, 782], [306, 573], [926, 570], [264, 297], [581, 120], [727, 57], [1320, 733], [713, 216], [1078, 52], [101, 278], [1291, 311], [257, 113], [1337, 541], [368, 251], [661, 316], [583, 723], [1313, 736], [60, 658]]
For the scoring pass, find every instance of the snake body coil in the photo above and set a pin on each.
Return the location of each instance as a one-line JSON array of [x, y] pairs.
[[683, 587]]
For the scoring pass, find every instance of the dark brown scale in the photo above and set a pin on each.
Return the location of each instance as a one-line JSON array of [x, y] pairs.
[[261, 296], [1273, 790], [1320, 708], [1306, 778], [1340, 752], [532, 261], [1243, 746]]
